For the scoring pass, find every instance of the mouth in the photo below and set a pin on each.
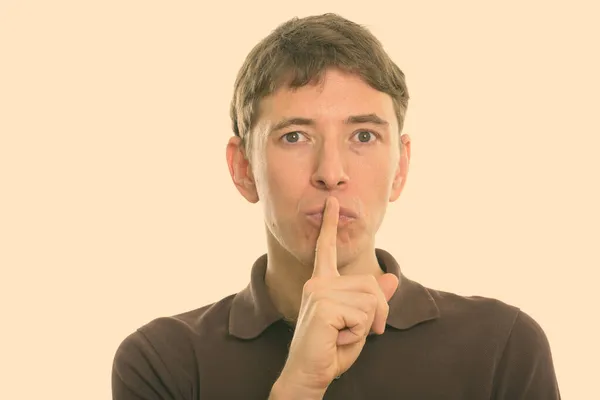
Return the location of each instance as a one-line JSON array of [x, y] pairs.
[[346, 217]]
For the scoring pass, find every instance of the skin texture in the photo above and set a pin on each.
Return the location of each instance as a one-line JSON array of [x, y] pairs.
[[322, 274]]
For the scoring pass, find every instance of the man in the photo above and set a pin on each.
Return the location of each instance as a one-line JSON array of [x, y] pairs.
[[317, 113]]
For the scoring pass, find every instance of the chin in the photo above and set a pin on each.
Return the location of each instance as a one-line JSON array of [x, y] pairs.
[[347, 253], [298, 243]]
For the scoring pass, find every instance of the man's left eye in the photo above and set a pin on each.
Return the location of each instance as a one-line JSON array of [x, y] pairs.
[[364, 136]]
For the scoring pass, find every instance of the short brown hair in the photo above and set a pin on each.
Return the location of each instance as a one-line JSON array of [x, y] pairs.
[[299, 51]]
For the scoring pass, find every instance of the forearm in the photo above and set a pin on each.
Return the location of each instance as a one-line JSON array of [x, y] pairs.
[[287, 390]]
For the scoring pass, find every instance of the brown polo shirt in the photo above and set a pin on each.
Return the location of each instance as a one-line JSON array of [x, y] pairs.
[[437, 345]]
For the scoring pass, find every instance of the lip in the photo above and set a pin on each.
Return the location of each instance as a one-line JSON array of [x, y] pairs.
[[346, 216], [317, 219], [344, 212]]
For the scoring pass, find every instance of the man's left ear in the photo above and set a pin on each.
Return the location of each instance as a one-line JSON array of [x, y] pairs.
[[402, 170]]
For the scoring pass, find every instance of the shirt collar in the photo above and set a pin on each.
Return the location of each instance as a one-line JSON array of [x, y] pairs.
[[252, 310]]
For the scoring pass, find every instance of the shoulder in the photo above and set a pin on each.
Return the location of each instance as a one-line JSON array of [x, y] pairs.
[[160, 356], [194, 322], [169, 332], [517, 325], [480, 310], [482, 323], [526, 367], [523, 364]]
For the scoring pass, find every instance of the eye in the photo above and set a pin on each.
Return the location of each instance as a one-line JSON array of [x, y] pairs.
[[365, 136], [292, 137]]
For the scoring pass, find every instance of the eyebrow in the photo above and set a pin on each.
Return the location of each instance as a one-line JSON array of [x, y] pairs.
[[353, 119]]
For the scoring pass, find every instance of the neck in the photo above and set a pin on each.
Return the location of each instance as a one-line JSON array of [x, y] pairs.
[[286, 275]]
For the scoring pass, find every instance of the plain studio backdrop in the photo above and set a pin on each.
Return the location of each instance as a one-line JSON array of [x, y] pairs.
[[117, 206]]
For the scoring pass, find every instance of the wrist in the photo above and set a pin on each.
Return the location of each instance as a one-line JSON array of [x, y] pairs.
[[289, 389]]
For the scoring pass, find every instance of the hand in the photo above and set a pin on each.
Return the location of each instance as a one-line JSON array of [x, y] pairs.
[[336, 315]]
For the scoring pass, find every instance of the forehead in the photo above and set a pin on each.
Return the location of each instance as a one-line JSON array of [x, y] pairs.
[[333, 98]]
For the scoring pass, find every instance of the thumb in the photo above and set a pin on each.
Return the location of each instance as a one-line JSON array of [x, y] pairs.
[[388, 283]]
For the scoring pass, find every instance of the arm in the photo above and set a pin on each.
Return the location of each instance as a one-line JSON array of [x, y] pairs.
[[289, 388], [138, 372], [526, 369], [281, 391]]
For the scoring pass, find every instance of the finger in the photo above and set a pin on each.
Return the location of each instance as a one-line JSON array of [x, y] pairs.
[[351, 323], [366, 302], [387, 285], [382, 288], [358, 325], [347, 336], [326, 249]]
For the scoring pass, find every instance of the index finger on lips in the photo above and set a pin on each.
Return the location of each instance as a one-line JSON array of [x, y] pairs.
[[326, 249]]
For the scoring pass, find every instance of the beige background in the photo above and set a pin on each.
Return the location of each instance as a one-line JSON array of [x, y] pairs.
[[117, 206]]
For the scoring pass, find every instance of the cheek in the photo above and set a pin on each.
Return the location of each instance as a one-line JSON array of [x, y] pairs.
[[285, 180], [373, 184], [374, 176], [284, 175]]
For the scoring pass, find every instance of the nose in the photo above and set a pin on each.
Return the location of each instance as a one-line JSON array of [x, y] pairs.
[[330, 170]]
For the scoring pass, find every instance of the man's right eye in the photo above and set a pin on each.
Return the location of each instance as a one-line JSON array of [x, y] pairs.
[[292, 137]]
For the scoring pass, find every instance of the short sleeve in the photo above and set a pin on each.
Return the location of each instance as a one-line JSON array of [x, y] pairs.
[[139, 373], [526, 369]]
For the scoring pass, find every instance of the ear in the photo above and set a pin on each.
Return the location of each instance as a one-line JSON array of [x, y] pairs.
[[402, 169], [241, 170]]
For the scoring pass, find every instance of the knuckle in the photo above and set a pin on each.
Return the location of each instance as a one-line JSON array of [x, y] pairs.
[[314, 299], [371, 300], [371, 284], [365, 318], [310, 286], [363, 327]]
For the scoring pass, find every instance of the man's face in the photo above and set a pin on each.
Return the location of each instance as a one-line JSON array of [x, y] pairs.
[[338, 138]]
